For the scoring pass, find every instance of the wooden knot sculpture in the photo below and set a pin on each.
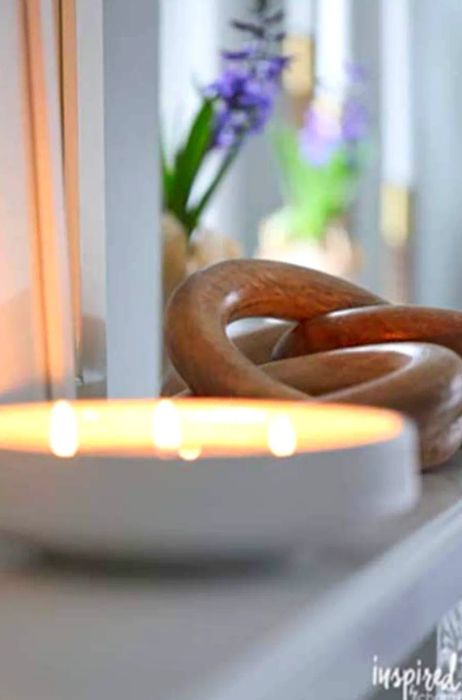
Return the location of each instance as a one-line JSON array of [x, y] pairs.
[[347, 345]]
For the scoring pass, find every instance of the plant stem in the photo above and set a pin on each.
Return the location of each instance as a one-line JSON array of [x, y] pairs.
[[194, 214]]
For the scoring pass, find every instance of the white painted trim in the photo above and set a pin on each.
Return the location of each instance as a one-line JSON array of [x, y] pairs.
[[133, 249], [333, 43], [397, 92], [66, 11], [91, 186]]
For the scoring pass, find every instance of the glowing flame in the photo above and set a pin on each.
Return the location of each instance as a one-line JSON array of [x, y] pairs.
[[282, 438], [166, 431], [189, 454], [63, 432]]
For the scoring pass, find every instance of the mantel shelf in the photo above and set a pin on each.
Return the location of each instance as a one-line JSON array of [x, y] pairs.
[[299, 630]]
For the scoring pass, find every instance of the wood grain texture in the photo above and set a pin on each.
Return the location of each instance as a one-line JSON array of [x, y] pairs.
[[348, 346], [256, 345], [423, 381], [199, 311], [365, 326]]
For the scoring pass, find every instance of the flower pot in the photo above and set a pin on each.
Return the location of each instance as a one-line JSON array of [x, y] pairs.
[[174, 254], [183, 256], [208, 247], [334, 253]]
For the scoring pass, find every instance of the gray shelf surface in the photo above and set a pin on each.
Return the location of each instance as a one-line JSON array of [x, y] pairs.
[[303, 628]]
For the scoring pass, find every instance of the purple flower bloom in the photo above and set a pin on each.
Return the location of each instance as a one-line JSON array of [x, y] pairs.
[[228, 126], [246, 90], [240, 55], [244, 98], [320, 136], [355, 120], [329, 127], [271, 68]]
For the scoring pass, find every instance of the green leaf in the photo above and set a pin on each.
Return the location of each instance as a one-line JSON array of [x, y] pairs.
[[195, 213], [189, 159], [167, 174], [314, 194]]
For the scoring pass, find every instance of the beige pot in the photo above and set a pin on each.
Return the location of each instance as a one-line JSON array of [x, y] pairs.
[[335, 254], [182, 257], [208, 247], [174, 254]]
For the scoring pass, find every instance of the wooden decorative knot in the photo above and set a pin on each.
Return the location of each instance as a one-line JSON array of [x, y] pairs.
[[346, 345]]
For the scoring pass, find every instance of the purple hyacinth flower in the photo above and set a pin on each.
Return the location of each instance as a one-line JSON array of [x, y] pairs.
[[245, 100], [228, 85], [271, 68], [331, 124], [241, 55], [355, 120], [245, 92], [320, 136], [228, 127]]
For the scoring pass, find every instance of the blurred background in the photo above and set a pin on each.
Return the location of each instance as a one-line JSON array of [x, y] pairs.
[[404, 218]]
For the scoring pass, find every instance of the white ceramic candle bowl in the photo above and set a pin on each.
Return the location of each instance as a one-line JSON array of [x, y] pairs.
[[193, 476]]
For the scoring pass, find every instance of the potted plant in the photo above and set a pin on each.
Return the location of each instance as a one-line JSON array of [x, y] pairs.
[[320, 168], [235, 106]]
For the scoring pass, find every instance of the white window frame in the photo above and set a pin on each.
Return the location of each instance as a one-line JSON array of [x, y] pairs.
[[119, 198]]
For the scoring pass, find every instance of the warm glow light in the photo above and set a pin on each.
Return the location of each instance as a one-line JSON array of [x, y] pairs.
[[64, 432], [166, 429], [192, 428], [282, 438], [189, 454]]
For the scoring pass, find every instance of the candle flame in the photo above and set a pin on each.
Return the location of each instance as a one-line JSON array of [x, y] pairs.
[[189, 454], [166, 432], [282, 438], [63, 433]]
